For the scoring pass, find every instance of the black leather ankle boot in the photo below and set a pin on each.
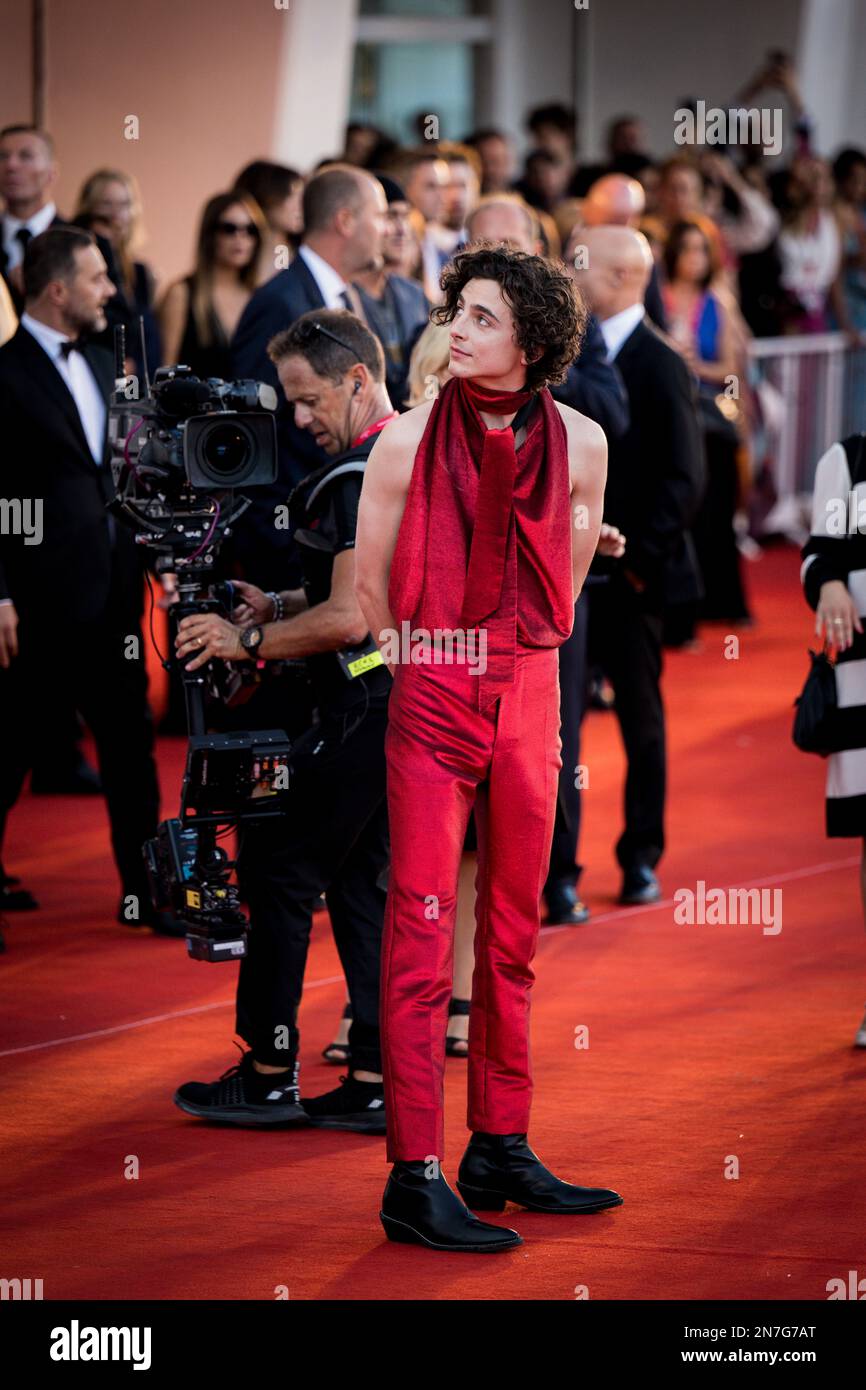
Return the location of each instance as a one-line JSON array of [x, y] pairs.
[[500, 1168], [420, 1210]]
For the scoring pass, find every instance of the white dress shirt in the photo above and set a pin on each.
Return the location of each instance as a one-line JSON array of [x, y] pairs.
[[620, 326], [39, 222], [331, 284], [78, 377]]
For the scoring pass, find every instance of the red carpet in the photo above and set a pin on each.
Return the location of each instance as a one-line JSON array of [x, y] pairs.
[[705, 1042]]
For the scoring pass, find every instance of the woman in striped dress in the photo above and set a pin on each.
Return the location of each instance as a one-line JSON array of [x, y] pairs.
[[834, 578]]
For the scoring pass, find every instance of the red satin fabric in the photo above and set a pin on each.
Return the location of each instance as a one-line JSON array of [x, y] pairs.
[[493, 506], [440, 752], [466, 481], [455, 738]]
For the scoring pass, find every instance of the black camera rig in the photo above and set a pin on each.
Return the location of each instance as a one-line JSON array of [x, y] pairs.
[[179, 456]]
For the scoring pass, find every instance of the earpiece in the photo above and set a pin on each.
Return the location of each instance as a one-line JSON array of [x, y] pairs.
[[356, 388]]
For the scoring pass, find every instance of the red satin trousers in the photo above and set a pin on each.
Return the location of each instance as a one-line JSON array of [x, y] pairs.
[[443, 755]]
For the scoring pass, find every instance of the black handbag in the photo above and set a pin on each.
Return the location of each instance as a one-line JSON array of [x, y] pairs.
[[816, 719]]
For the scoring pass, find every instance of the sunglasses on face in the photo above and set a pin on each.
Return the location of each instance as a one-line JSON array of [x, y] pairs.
[[236, 228]]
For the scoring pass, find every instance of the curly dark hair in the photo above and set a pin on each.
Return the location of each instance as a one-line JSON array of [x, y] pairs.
[[549, 314]]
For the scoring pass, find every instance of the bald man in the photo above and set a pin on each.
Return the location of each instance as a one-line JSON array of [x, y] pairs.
[[618, 201], [656, 479], [594, 387], [613, 200]]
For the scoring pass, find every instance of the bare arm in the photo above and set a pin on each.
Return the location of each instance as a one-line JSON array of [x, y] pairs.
[[171, 312], [255, 606], [380, 512], [326, 627], [587, 460]]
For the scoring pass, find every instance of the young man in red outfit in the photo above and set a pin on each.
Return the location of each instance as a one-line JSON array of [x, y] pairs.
[[479, 515]]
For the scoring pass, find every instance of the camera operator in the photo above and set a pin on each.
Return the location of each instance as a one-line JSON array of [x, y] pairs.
[[71, 587], [334, 835]]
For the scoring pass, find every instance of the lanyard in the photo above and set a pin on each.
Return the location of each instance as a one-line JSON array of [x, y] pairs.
[[372, 429]]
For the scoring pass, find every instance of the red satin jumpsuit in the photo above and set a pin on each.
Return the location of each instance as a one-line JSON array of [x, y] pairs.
[[456, 739]]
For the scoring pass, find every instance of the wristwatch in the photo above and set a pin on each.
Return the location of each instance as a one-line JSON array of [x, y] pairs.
[[251, 638]]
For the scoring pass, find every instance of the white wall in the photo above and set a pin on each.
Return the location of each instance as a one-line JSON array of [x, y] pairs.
[[534, 59], [644, 56], [832, 58]]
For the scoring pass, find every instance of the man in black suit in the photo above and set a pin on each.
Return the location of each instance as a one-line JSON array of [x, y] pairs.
[[70, 576], [655, 481], [344, 217], [28, 173], [395, 308], [594, 387], [619, 201]]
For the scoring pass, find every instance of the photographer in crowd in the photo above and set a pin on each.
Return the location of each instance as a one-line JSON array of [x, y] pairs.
[[333, 837], [71, 588]]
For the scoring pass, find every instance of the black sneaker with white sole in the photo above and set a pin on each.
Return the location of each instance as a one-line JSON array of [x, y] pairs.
[[243, 1096], [356, 1105]]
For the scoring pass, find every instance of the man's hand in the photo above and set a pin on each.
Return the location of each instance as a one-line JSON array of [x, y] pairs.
[[208, 635], [255, 606], [611, 542], [8, 635]]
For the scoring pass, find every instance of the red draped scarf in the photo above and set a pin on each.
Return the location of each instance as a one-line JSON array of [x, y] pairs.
[[485, 539]]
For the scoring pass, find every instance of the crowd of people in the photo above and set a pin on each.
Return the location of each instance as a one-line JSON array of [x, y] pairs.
[[678, 261]]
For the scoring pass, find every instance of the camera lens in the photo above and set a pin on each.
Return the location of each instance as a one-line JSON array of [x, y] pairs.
[[226, 449]]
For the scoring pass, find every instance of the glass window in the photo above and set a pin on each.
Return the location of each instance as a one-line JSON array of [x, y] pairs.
[[420, 57], [429, 9], [395, 82]]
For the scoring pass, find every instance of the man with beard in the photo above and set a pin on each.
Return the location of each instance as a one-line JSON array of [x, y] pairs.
[[71, 593]]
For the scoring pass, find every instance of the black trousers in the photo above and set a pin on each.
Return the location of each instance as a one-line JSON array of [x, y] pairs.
[[572, 705], [714, 536], [89, 664], [332, 840], [625, 640]]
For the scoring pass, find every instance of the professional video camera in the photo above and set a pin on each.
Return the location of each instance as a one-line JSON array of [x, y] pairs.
[[178, 457]]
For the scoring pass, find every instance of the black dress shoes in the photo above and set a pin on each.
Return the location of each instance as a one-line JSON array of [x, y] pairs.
[[417, 1210], [639, 885], [500, 1168], [564, 907]]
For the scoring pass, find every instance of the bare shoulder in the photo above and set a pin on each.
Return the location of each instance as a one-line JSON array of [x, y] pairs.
[[409, 427], [587, 444], [399, 440], [392, 457]]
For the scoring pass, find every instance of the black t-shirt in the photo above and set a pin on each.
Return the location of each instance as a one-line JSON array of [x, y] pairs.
[[324, 510]]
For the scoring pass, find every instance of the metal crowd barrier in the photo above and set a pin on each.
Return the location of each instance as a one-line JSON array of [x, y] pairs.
[[810, 391]]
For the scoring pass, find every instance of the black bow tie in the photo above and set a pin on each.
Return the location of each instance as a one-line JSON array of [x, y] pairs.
[[71, 345]]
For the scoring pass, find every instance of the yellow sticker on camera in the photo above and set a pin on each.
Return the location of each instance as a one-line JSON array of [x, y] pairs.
[[365, 663]]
